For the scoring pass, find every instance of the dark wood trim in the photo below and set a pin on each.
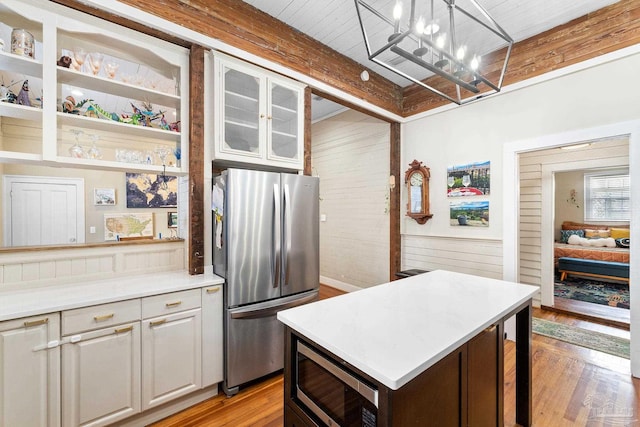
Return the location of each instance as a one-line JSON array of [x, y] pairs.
[[395, 260], [603, 31], [307, 131], [196, 160]]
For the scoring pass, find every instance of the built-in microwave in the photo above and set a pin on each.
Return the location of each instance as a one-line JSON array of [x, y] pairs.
[[332, 395]]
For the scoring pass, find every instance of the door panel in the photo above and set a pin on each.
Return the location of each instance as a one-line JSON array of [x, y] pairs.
[[251, 227], [301, 270], [42, 212]]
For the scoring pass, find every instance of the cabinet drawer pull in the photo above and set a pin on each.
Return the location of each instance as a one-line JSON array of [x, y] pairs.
[[103, 318], [213, 290], [123, 330], [157, 322], [173, 304], [36, 322]]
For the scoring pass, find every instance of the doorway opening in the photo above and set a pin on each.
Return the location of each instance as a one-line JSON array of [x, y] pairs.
[[552, 208]]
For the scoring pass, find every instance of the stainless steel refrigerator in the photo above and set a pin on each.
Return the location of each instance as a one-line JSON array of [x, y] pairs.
[[267, 250]]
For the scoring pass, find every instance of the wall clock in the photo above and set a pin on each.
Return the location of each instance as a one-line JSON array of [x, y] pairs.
[[417, 180]]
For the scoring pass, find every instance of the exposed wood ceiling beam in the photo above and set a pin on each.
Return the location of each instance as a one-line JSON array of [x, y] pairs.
[[245, 27]]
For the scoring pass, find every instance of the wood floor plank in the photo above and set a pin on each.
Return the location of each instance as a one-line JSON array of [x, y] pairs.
[[572, 386]]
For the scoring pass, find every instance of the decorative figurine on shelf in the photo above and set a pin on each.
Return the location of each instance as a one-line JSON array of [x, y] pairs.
[[145, 116], [6, 95], [69, 105], [23, 95], [64, 61]]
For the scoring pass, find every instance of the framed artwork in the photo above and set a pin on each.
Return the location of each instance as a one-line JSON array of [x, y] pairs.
[[472, 179], [172, 219], [104, 196], [122, 225], [151, 191], [469, 213]]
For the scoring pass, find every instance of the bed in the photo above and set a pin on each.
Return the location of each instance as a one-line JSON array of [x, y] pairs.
[[607, 254]]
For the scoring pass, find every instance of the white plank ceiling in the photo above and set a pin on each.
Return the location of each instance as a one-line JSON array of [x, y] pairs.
[[335, 24]]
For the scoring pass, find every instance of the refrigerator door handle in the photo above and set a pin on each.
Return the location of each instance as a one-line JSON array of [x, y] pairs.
[[287, 233], [255, 313], [275, 236]]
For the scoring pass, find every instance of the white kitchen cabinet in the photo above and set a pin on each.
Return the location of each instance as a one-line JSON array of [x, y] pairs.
[[171, 347], [30, 372], [212, 336], [259, 116], [101, 368], [121, 104]]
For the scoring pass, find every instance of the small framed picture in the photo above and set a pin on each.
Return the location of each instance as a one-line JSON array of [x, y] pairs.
[[172, 219], [104, 196]]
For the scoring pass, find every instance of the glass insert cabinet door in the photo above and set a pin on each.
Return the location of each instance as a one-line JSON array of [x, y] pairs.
[[241, 111], [284, 123]]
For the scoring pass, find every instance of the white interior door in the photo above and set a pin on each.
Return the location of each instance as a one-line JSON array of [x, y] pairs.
[[43, 211]]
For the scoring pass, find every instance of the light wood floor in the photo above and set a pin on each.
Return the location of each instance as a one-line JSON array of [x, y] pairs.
[[572, 386]]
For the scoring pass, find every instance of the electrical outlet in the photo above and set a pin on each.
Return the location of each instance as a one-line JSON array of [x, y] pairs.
[[92, 230]]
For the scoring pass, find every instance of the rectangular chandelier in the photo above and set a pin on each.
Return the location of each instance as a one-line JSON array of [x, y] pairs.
[[453, 48]]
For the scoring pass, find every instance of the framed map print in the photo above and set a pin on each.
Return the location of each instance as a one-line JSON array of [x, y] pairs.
[[151, 191], [117, 226]]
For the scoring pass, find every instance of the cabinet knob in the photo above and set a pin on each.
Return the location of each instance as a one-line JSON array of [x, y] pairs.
[[262, 116]]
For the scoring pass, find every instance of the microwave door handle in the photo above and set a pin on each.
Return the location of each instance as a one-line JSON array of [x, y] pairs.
[[287, 233], [276, 236]]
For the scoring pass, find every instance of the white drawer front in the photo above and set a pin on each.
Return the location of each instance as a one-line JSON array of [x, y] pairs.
[[174, 302], [100, 316]]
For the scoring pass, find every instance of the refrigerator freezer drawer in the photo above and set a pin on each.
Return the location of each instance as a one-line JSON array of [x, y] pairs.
[[255, 339]]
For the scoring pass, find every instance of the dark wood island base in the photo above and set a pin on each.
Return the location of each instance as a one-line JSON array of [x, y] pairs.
[[464, 388]]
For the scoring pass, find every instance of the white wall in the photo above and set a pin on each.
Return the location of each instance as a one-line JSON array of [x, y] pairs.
[[478, 131], [583, 105], [350, 154]]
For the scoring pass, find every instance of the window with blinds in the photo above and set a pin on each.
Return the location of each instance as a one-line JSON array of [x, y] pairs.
[[607, 196]]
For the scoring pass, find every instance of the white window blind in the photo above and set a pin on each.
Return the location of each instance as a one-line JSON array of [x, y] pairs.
[[607, 196]]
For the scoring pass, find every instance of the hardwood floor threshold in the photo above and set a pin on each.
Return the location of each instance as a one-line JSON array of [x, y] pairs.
[[605, 315]]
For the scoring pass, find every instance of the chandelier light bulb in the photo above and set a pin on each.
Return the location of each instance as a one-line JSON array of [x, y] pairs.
[[460, 53], [440, 41], [475, 63], [432, 28], [397, 11], [420, 26]]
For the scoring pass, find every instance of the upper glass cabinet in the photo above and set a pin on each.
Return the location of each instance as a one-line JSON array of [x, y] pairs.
[[92, 94], [259, 117]]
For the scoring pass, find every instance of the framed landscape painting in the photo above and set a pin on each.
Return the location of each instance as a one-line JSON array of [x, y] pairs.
[[469, 213]]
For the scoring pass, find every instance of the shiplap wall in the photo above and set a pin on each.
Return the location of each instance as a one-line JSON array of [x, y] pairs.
[[350, 154], [536, 168], [480, 257]]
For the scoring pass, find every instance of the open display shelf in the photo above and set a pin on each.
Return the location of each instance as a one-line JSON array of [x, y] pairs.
[[128, 76]]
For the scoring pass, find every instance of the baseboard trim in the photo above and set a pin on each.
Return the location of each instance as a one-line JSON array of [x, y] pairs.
[[346, 287], [170, 408]]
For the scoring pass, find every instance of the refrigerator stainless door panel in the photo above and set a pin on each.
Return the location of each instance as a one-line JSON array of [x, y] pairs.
[[251, 231], [300, 248], [255, 340]]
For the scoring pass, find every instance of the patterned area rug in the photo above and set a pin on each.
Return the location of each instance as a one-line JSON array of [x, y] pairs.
[[611, 294], [582, 337]]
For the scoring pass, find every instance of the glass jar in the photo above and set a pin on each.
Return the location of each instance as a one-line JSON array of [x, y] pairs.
[[22, 43]]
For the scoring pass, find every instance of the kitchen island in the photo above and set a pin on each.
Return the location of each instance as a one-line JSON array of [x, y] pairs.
[[425, 350]]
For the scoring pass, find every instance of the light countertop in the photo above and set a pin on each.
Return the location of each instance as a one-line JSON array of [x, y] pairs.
[[395, 331], [31, 302]]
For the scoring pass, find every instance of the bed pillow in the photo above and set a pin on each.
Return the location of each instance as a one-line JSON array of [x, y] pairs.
[[622, 243], [596, 234], [565, 234], [620, 233]]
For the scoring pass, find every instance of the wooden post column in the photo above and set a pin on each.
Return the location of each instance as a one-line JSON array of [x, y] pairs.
[[394, 202], [196, 160]]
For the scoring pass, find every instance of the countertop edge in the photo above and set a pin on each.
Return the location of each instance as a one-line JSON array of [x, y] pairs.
[[43, 300]]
